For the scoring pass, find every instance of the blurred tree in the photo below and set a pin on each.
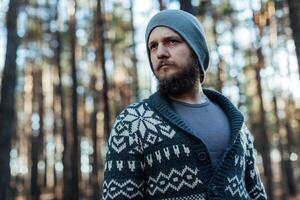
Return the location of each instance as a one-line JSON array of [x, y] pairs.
[[100, 64], [100, 56], [37, 133], [187, 6], [203, 7], [162, 5], [7, 101], [75, 152], [37, 112], [289, 147], [286, 143], [59, 92], [97, 160], [120, 38], [283, 185], [294, 7], [134, 58], [264, 140]]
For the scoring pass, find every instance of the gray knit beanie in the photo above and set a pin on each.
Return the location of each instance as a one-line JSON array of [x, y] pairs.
[[190, 30]]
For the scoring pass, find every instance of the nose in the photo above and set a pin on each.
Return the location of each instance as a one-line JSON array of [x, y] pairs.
[[162, 51]]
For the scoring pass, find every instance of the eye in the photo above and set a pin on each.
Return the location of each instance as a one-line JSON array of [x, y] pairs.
[[152, 46], [173, 41]]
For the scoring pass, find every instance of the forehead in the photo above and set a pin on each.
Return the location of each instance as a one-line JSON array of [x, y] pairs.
[[162, 32]]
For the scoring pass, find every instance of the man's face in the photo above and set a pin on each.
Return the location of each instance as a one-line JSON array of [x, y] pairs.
[[173, 61]]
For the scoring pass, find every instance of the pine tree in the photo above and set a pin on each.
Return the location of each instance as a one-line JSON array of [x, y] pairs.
[[7, 101]]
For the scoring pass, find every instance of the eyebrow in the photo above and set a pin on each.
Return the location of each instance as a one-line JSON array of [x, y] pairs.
[[171, 37]]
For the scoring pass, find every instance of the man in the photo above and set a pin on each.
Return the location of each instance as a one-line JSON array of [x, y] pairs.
[[183, 142]]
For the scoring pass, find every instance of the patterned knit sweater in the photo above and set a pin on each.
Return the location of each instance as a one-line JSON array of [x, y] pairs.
[[153, 155]]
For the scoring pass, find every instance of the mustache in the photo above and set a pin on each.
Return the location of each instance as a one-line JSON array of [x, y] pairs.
[[164, 62]]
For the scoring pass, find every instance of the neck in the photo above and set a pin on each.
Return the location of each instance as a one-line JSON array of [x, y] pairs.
[[193, 96]]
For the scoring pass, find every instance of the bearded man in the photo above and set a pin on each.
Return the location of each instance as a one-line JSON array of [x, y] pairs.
[[184, 142]]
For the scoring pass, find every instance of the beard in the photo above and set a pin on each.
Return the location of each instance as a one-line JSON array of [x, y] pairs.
[[180, 82]]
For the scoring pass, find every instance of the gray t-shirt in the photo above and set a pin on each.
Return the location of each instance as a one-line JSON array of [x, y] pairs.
[[209, 123]]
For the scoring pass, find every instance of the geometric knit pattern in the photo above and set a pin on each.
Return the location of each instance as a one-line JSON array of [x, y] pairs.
[[174, 180], [152, 154], [190, 197], [257, 192], [127, 188], [236, 187], [140, 121]]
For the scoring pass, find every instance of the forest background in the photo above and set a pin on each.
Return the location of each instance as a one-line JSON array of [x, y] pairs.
[[68, 67]]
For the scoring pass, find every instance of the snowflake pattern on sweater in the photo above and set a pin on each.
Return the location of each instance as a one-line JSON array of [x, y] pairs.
[[152, 155]]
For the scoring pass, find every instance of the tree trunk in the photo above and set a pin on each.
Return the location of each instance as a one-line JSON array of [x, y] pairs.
[[100, 55], [75, 147], [37, 138], [67, 190], [55, 133], [98, 36], [281, 150], [221, 75], [294, 7], [263, 134], [162, 5], [291, 182], [7, 101], [297, 118], [187, 6], [34, 187], [134, 58], [95, 178], [45, 178], [37, 133]]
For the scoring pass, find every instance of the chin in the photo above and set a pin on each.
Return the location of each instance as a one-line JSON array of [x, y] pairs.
[[166, 74]]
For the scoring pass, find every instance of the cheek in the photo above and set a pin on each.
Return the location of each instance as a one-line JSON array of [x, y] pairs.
[[153, 61], [186, 53], [184, 57]]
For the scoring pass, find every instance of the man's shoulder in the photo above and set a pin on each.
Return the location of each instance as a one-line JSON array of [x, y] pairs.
[[136, 105]]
